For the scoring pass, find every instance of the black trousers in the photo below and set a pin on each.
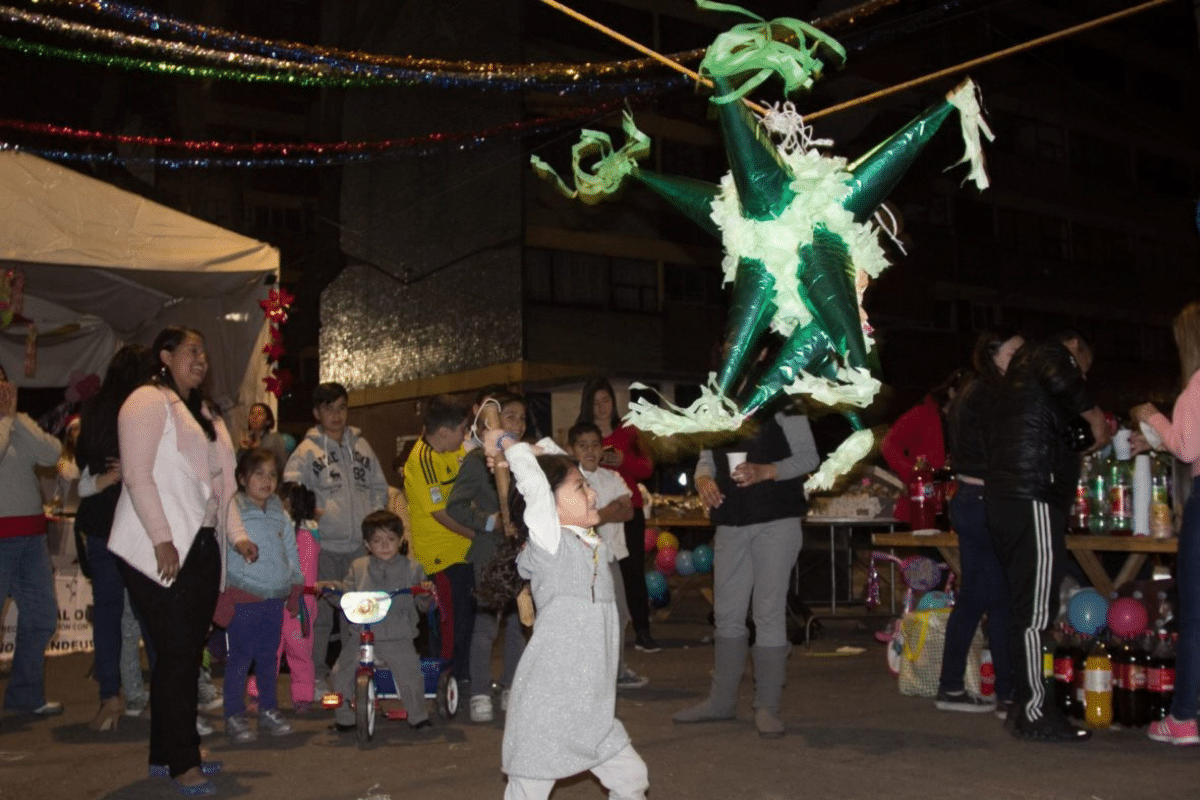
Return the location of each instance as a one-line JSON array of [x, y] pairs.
[[177, 619], [1030, 540], [457, 582], [633, 573]]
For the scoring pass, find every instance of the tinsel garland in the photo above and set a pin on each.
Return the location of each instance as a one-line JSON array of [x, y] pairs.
[[310, 148], [230, 40], [250, 68], [276, 154], [342, 81]]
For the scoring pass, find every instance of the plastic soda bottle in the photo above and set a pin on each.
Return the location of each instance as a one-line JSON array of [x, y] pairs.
[[1097, 688], [987, 675], [922, 496], [1064, 674]]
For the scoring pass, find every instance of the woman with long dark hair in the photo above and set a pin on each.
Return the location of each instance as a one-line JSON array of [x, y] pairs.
[[178, 484], [260, 432], [984, 585], [98, 455], [624, 455]]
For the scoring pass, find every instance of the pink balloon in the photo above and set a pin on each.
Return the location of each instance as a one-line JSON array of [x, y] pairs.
[[1127, 617], [665, 560], [651, 537]]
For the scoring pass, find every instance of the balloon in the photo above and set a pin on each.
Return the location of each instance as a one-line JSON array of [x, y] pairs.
[[667, 540], [289, 442], [665, 560], [702, 558], [1087, 611], [684, 564], [656, 583], [1127, 617], [661, 600], [931, 600], [651, 538]]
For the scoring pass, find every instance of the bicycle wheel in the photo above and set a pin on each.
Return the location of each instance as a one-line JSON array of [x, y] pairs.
[[364, 707], [447, 696]]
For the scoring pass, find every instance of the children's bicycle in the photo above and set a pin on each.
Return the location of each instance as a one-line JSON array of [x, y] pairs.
[[374, 682], [919, 574]]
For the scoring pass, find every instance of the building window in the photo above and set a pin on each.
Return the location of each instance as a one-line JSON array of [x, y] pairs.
[[588, 280]]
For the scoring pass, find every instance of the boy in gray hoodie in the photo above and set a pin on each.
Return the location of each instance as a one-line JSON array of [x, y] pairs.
[[342, 470]]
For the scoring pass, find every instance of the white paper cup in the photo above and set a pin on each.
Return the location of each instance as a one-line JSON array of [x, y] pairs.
[[1121, 446], [1151, 435], [734, 460]]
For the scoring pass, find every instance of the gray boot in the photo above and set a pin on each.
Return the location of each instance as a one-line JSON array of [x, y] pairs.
[[770, 673], [729, 662]]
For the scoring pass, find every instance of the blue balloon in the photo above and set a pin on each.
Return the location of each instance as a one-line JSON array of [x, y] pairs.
[[931, 600], [1087, 611], [684, 564], [656, 583], [661, 600], [289, 442], [702, 558]]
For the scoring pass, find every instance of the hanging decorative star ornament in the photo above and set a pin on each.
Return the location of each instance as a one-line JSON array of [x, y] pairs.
[[796, 226]]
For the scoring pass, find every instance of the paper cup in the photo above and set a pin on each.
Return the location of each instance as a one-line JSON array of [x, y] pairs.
[[1151, 435], [734, 460], [1121, 447]]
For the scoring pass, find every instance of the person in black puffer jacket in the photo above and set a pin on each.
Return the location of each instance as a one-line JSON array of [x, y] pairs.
[[1029, 489]]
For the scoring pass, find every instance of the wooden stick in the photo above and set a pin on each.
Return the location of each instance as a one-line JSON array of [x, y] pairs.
[[491, 421], [641, 48], [975, 62]]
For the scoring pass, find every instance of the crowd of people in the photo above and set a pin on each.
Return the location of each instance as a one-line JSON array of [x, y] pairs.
[[180, 532]]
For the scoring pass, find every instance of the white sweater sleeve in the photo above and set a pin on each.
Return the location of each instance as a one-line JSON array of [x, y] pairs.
[[541, 510]]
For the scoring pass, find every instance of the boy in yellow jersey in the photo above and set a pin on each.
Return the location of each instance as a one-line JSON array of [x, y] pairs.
[[440, 543]]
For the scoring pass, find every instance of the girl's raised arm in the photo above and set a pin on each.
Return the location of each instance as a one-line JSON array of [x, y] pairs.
[[541, 511]]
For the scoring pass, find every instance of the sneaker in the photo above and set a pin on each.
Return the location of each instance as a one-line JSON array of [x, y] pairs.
[[631, 680], [204, 727], [1169, 729], [135, 708], [272, 722], [238, 730], [321, 689], [1002, 707], [208, 695], [1050, 728], [963, 701], [481, 708], [646, 644], [504, 699], [50, 708]]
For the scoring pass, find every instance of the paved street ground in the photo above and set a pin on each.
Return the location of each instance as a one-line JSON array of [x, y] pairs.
[[850, 735]]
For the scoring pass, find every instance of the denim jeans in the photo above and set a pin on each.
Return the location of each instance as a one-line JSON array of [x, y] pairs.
[[27, 577], [254, 634], [108, 605], [983, 588], [1187, 580]]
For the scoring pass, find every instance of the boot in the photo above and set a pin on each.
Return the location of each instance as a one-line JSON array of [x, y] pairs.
[[109, 715], [770, 672], [729, 662]]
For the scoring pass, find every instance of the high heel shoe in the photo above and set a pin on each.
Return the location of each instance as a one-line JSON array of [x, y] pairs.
[[109, 715]]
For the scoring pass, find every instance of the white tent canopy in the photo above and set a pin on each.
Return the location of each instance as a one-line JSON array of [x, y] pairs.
[[104, 266]]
